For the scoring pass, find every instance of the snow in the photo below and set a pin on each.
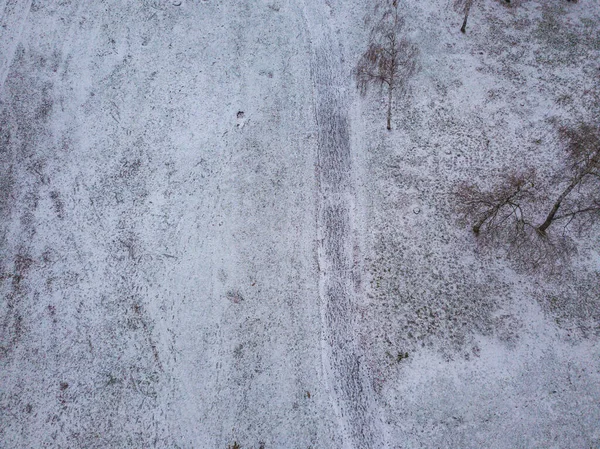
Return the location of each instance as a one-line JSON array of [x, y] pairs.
[[179, 267]]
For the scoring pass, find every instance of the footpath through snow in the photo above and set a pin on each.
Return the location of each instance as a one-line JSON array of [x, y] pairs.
[[350, 391]]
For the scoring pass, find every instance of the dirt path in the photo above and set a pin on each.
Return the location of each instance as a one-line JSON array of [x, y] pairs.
[[349, 387]]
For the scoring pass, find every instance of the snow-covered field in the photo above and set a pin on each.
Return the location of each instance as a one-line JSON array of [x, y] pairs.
[[209, 239]]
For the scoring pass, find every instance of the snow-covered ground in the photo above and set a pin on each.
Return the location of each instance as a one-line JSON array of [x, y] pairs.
[[208, 237]]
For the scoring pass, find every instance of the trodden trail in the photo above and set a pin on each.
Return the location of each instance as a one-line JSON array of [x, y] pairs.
[[347, 378]]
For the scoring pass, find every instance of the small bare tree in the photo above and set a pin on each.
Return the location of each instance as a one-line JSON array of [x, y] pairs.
[[390, 60]]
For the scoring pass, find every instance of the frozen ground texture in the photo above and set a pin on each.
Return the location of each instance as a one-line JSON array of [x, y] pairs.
[[207, 236]]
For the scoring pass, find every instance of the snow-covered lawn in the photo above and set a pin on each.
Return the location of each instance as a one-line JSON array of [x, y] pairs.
[[209, 238]]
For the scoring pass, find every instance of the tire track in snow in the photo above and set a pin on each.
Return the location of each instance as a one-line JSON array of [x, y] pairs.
[[349, 388], [13, 18]]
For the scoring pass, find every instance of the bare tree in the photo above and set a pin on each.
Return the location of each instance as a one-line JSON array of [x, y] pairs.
[[500, 206], [509, 208], [583, 155], [500, 216], [390, 60]]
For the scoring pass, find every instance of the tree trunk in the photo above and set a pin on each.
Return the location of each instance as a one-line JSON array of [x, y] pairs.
[[389, 111], [542, 228], [477, 226], [463, 28]]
